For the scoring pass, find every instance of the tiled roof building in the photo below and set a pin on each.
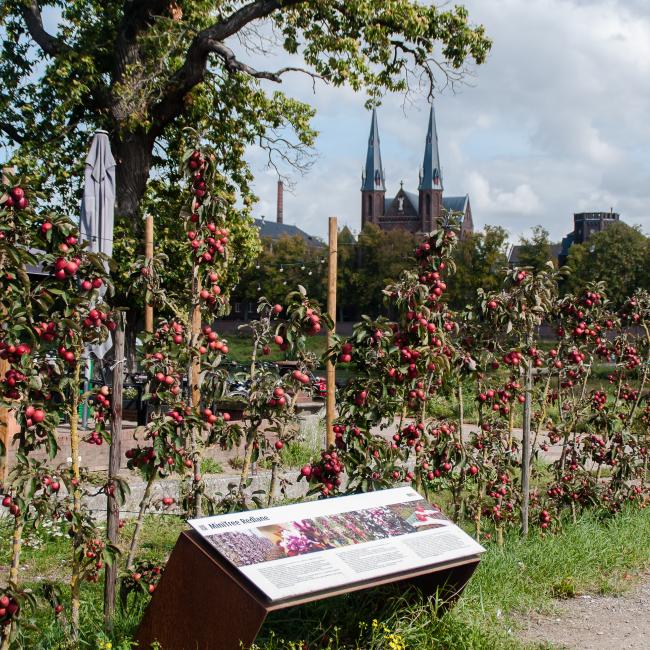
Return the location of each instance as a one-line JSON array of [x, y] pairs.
[[274, 230]]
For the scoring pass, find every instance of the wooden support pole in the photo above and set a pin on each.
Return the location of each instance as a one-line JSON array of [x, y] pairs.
[[525, 451], [195, 373], [331, 310], [5, 415], [195, 390], [115, 452], [5, 430], [148, 252]]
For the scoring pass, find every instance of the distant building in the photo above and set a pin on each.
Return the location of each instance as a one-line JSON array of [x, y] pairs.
[[514, 256], [416, 212], [271, 232], [585, 224], [274, 231]]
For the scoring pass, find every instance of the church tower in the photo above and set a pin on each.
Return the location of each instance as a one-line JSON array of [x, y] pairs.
[[430, 190], [373, 188]]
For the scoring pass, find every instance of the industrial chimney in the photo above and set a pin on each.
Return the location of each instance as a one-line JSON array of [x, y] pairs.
[[280, 207]]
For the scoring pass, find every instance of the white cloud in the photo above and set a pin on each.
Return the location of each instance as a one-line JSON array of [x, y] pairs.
[[555, 122], [522, 200]]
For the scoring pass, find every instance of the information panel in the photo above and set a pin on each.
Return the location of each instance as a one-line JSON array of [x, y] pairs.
[[306, 547]]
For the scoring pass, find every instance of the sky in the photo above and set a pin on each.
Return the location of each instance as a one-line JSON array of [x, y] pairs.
[[557, 121]]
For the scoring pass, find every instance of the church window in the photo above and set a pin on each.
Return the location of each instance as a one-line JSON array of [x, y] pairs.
[[370, 206], [427, 203]]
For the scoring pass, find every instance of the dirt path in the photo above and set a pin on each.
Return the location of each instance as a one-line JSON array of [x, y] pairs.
[[597, 622]]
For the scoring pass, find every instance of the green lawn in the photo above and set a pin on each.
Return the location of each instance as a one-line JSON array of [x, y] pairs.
[[240, 348], [593, 555]]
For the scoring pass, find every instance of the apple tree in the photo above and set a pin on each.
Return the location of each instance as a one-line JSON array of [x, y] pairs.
[[46, 323]]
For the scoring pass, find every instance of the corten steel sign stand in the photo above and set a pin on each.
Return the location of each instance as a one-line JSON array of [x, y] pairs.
[[203, 603]]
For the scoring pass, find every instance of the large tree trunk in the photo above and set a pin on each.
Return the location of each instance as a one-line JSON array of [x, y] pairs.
[[133, 326], [133, 153]]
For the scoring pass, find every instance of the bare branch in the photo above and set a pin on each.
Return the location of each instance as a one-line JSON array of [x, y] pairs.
[[424, 67], [51, 45], [12, 132], [293, 154]]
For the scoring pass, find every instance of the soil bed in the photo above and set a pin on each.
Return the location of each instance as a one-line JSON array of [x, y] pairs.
[[596, 622]]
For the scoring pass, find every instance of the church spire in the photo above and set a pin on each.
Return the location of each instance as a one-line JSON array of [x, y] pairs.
[[431, 178], [373, 177]]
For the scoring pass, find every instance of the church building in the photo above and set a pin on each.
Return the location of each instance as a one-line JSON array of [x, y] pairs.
[[416, 212]]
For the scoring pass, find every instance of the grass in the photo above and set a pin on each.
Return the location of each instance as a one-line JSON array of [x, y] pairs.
[[594, 555], [295, 454], [591, 556], [240, 348], [211, 466]]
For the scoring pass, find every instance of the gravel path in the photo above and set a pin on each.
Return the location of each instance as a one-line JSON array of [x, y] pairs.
[[597, 622]]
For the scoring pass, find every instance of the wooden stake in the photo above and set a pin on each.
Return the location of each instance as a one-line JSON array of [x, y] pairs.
[[195, 389], [5, 433], [525, 452], [148, 252], [75, 577], [196, 359], [5, 416], [112, 506], [331, 310]]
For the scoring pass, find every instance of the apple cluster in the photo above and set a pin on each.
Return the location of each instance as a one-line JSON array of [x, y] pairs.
[[101, 415], [16, 199], [326, 472], [9, 609], [144, 578], [93, 554]]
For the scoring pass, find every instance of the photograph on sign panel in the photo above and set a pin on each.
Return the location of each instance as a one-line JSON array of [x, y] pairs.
[[336, 531], [243, 548]]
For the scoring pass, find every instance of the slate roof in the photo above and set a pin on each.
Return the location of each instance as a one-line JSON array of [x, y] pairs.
[[567, 242], [451, 203], [431, 171], [274, 230], [373, 174], [515, 251], [455, 203]]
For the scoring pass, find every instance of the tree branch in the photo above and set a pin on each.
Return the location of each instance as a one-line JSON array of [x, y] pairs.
[[206, 42], [51, 45], [12, 132], [235, 65], [137, 15]]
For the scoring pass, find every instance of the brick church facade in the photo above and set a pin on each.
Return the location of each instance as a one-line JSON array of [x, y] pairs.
[[416, 212]]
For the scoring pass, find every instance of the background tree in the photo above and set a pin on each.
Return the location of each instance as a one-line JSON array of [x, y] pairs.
[[535, 251], [346, 271], [618, 256], [282, 265], [382, 256], [480, 263]]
